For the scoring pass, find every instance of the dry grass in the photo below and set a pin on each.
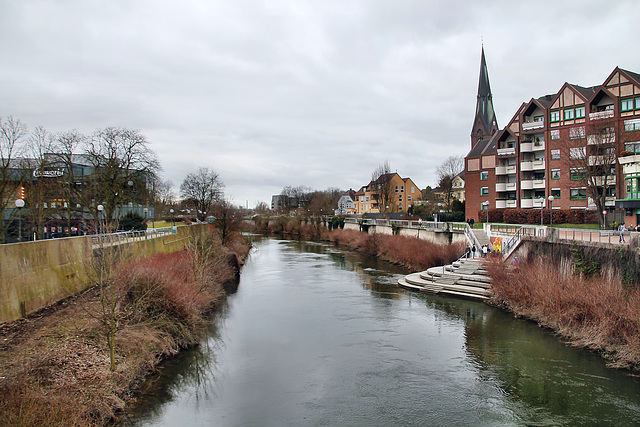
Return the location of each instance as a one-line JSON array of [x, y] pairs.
[[596, 313], [55, 371], [410, 252]]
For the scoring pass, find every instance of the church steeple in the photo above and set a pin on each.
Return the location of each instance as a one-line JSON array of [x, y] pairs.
[[485, 123]]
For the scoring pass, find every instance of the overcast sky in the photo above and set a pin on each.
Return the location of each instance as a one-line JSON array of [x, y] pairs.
[[316, 93]]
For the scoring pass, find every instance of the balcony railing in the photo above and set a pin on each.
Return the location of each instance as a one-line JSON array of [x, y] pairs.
[[601, 115], [506, 151], [538, 164], [526, 166], [532, 125]]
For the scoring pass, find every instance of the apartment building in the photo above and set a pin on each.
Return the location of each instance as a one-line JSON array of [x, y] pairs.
[[388, 194], [564, 145]]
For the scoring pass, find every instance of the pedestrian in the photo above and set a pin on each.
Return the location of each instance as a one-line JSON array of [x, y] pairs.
[[473, 251], [472, 222], [485, 249], [622, 229]]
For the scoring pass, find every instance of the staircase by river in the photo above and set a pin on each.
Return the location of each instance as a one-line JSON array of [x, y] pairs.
[[465, 278]]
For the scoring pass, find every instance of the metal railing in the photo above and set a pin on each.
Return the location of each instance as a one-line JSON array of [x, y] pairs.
[[121, 237]]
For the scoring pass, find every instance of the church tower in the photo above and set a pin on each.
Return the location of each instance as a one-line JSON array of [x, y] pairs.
[[485, 123]]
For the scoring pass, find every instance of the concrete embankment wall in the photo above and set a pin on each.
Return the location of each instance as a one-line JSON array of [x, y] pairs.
[[609, 259], [34, 275], [439, 237]]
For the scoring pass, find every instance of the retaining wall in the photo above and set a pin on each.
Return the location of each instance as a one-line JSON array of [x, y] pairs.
[[438, 237], [36, 274]]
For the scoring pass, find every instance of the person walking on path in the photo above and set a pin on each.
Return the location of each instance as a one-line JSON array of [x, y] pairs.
[[485, 249], [622, 229], [473, 252]]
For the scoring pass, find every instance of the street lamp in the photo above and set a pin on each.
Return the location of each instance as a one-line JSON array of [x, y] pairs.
[[19, 205], [171, 212], [551, 211], [486, 206], [100, 209], [604, 224]]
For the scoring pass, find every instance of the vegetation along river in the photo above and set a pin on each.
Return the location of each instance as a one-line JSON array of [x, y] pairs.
[[320, 336]]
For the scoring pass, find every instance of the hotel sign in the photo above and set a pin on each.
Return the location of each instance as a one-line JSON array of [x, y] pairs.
[[47, 173]]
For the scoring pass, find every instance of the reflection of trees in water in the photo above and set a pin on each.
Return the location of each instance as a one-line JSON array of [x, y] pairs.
[[193, 368], [544, 379], [377, 275]]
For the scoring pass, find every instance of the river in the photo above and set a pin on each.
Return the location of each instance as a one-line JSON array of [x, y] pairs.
[[323, 337]]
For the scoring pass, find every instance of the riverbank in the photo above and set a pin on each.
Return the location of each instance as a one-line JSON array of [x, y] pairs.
[[409, 252], [595, 313], [55, 364]]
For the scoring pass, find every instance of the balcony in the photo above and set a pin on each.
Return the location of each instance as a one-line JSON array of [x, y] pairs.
[[505, 186], [601, 115], [526, 147], [538, 165], [504, 204], [538, 146], [526, 184], [506, 151], [532, 203], [532, 125], [538, 184], [506, 170], [526, 166], [609, 201], [599, 180]]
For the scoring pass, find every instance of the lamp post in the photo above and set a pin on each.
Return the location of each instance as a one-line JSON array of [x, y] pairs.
[[19, 205], [604, 223], [100, 209], [551, 211], [171, 212], [486, 206]]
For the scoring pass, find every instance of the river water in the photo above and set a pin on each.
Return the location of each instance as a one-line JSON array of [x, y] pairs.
[[323, 337]]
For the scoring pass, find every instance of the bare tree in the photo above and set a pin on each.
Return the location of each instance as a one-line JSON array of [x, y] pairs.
[[12, 133], [447, 171], [68, 143], [382, 189], [262, 208], [201, 190], [45, 183], [124, 166], [295, 197], [592, 162], [228, 218]]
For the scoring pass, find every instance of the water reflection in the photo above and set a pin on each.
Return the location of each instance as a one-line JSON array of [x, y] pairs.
[[320, 336]]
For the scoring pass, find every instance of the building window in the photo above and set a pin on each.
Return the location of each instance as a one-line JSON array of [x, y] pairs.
[[484, 175], [576, 174], [555, 134], [554, 116], [555, 154], [400, 198], [555, 173], [409, 198], [413, 189], [402, 189], [631, 125], [637, 103], [484, 191], [555, 192], [484, 206], [538, 119], [578, 153], [626, 104], [580, 112], [396, 188], [400, 206], [578, 193], [577, 132], [633, 147], [568, 114]]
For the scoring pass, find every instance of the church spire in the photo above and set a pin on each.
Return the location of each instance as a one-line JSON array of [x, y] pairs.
[[484, 124]]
